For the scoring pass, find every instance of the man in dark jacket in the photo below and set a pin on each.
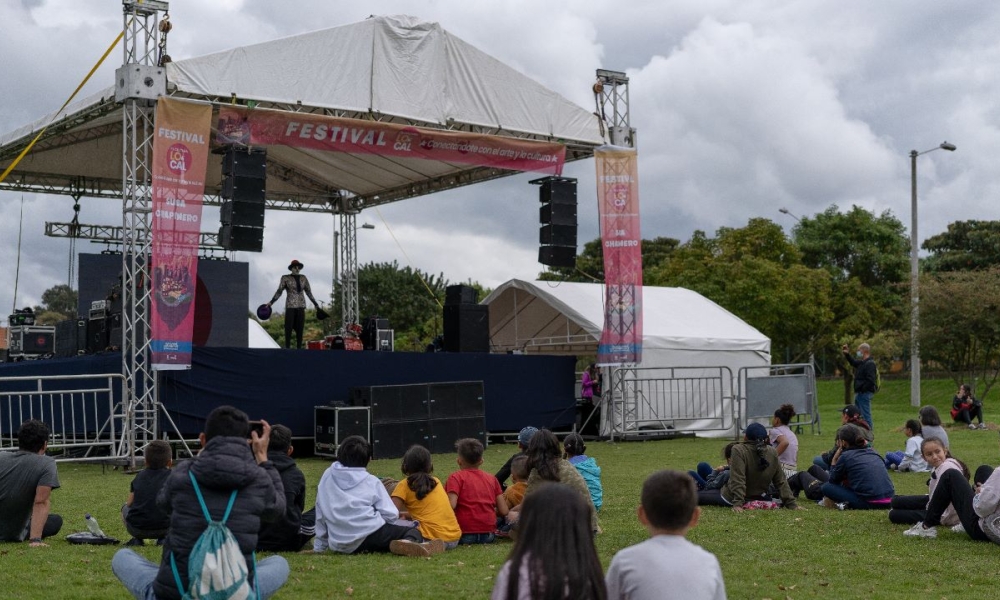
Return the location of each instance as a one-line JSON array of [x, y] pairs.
[[865, 379], [228, 461], [294, 528]]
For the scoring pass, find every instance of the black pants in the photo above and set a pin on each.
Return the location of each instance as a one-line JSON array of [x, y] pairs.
[[810, 482], [954, 489], [52, 526], [295, 319], [589, 416], [378, 540], [966, 416], [907, 510]]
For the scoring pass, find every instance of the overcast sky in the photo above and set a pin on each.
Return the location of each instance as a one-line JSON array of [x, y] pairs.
[[742, 107]]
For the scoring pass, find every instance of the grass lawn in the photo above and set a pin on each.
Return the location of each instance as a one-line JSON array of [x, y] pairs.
[[815, 553]]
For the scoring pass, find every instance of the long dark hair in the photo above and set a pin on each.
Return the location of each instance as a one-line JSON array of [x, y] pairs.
[[417, 467], [947, 453], [555, 539], [544, 455]]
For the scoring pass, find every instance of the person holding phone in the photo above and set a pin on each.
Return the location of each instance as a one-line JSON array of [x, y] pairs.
[[865, 379], [965, 407]]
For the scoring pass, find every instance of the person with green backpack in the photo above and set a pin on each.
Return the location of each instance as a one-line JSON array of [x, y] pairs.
[[216, 503], [866, 379]]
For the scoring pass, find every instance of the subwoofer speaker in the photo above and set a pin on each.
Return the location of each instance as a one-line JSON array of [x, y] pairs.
[[467, 328]]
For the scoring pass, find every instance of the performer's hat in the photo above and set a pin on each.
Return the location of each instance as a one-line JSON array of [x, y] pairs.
[[263, 312], [294, 264]]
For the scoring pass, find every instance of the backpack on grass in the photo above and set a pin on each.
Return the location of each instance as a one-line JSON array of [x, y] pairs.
[[217, 569]]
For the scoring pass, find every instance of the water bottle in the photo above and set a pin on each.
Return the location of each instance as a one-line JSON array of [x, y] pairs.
[[92, 525]]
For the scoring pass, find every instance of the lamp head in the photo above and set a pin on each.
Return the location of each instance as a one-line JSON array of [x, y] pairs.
[[783, 211], [947, 146]]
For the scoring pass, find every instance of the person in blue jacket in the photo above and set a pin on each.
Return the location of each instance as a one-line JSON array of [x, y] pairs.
[[858, 477], [586, 465]]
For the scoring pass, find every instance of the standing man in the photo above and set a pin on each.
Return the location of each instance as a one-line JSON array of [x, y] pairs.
[[27, 478], [865, 376], [297, 287]]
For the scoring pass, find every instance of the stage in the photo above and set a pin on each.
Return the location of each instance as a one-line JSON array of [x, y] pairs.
[[283, 386]]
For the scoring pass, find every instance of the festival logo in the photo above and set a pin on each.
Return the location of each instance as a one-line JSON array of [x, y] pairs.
[[178, 159], [619, 195], [405, 141]]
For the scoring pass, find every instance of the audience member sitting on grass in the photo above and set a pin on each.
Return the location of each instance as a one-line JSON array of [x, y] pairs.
[[575, 450], [523, 438], [907, 510], [291, 532], [965, 406], [858, 477], [27, 478], [754, 467], [709, 478], [849, 415], [228, 461], [475, 496], [546, 465], [554, 555], [666, 565], [930, 425], [422, 498], [354, 514], [143, 519], [912, 458], [514, 494], [784, 439]]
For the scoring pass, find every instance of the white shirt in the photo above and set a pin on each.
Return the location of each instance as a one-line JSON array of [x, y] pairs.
[[665, 567]]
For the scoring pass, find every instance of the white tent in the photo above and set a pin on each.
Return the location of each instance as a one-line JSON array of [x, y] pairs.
[[392, 69], [258, 338], [686, 337]]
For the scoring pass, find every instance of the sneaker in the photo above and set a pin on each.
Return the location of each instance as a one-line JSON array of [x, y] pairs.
[[982, 425], [135, 542], [958, 528], [919, 530], [972, 426], [828, 503], [408, 548]]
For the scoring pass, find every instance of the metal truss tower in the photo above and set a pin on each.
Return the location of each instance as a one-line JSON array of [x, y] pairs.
[[139, 82], [611, 96], [349, 269]]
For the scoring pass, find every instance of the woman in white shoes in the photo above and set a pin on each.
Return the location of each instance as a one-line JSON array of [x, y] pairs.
[[908, 510], [965, 407]]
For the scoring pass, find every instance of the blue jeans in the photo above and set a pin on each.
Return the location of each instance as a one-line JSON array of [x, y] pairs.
[[477, 538], [137, 574], [893, 458], [839, 493], [700, 476], [864, 403]]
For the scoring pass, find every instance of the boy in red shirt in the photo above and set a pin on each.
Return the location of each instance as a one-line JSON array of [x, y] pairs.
[[475, 495]]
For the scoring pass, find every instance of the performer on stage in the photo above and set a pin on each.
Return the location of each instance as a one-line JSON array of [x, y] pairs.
[[297, 287]]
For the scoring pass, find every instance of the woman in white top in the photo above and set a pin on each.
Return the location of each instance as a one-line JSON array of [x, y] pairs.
[[784, 440]]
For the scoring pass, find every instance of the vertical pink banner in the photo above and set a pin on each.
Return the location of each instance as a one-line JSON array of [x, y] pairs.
[[621, 241], [180, 157]]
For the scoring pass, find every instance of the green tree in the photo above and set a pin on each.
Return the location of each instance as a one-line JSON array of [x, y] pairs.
[[58, 304], [960, 325], [965, 246]]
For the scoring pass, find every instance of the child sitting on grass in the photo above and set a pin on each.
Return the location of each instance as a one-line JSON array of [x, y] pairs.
[[708, 478], [574, 448], [143, 519], [913, 509], [475, 496], [354, 513], [666, 565], [421, 497], [911, 458], [514, 494]]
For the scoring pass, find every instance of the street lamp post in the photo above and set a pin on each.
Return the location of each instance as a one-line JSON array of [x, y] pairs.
[[915, 276], [785, 211]]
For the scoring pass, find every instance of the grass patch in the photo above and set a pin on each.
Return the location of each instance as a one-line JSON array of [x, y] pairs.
[[815, 553]]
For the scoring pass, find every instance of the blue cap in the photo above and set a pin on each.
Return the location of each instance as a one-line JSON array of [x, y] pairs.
[[526, 434], [756, 432]]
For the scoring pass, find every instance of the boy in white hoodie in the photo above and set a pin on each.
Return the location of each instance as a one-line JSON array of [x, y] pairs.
[[354, 513]]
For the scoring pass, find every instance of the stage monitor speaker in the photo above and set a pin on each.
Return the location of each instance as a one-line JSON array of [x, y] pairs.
[[392, 440], [558, 191], [557, 256], [66, 338], [557, 214], [244, 214], [445, 432], [557, 235], [333, 424], [248, 239], [456, 400], [460, 294], [97, 335], [394, 403], [467, 328]]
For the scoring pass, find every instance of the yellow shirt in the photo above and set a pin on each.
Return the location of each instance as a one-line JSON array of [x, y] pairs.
[[437, 519]]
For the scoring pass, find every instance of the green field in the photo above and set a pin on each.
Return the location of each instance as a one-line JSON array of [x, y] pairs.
[[815, 553]]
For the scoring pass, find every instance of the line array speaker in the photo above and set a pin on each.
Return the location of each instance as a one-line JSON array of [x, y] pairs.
[[467, 328], [244, 184], [557, 216]]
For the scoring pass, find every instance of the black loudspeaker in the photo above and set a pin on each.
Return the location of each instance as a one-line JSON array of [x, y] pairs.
[[66, 338], [558, 190], [97, 335], [557, 235], [115, 331], [557, 256], [466, 328], [557, 214], [459, 294], [333, 424], [243, 214], [390, 403], [392, 440], [445, 432], [248, 239], [456, 400], [81, 336]]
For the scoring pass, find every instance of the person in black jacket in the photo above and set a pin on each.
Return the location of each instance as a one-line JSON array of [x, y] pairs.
[[865, 379], [228, 461], [295, 528]]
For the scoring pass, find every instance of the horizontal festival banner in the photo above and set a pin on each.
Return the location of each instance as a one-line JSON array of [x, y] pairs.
[[261, 127]]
